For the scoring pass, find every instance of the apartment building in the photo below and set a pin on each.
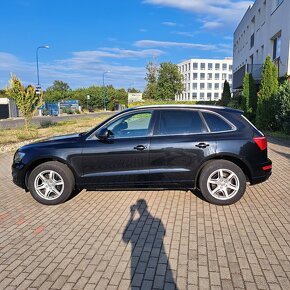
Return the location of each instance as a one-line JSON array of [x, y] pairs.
[[264, 30], [203, 79]]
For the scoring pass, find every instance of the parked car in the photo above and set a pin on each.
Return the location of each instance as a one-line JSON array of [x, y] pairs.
[[213, 149]]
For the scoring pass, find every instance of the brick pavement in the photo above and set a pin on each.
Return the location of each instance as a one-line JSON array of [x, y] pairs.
[[173, 239]]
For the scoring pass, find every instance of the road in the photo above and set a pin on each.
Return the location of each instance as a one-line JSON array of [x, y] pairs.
[[19, 122], [174, 239]]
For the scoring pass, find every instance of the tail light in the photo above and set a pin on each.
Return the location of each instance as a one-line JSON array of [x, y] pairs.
[[261, 142]]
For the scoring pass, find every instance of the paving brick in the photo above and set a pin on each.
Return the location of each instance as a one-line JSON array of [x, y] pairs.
[[180, 241]]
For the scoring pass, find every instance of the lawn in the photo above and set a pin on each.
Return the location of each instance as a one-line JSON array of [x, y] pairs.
[[48, 129]]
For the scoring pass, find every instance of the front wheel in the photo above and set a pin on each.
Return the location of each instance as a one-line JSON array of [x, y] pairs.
[[222, 182], [51, 183]]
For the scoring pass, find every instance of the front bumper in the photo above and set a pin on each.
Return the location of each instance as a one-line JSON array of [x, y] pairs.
[[18, 175]]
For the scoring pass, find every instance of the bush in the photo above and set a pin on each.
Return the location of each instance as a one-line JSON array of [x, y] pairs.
[[67, 111], [46, 123], [77, 111]]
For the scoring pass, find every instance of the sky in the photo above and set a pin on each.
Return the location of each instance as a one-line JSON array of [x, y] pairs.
[[89, 37]]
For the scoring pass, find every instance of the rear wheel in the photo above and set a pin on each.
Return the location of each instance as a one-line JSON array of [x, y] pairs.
[[51, 183], [222, 182]]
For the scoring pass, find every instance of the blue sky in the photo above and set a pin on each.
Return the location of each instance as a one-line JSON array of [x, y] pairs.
[[88, 37]]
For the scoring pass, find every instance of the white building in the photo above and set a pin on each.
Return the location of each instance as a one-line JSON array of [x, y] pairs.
[[264, 30], [204, 78]]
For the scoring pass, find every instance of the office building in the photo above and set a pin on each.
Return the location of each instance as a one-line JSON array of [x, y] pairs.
[[203, 79]]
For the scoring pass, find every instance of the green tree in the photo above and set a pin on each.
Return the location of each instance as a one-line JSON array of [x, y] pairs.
[[249, 97], [281, 106], [2, 94], [265, 118], [226, 95], [150, 91], [58, 91], [169, 83], [25, 98], [133, 90]]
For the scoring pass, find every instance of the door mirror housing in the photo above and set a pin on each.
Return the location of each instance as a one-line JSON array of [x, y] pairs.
[[103, 134]]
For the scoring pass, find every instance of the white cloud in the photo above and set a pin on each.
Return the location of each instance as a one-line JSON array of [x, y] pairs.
[[211, 24], [165, 44], [168, 23], [222, 10], [84, 68]]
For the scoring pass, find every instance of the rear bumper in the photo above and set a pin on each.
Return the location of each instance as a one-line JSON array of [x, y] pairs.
[[262, 175]]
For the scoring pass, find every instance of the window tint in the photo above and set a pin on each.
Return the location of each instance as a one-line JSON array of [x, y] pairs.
[[180, 122], [216, 123], [133, 125]]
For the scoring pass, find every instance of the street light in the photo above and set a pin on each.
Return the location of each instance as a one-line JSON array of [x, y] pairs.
[[104, 92], [37, 67]]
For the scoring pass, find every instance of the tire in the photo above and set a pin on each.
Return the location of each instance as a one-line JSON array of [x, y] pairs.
[[51, 183], [222, 182]]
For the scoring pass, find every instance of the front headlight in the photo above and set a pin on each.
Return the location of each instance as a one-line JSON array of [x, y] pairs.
[[18, 156]]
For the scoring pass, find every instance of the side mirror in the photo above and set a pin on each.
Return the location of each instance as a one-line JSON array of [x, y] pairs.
[[103, 134]]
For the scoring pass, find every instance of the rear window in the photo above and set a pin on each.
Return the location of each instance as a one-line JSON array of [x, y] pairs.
[[216, 123], [180, 122]]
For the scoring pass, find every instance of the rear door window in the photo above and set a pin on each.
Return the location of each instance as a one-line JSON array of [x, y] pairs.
[[216, 123], [177, 122]]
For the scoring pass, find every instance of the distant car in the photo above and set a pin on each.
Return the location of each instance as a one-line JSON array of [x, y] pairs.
[[214, 149]]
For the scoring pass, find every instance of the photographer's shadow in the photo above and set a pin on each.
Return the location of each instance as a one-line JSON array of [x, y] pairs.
[[150, 267]]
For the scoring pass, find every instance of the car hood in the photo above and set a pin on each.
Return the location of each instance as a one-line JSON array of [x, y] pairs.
[[53, 140]]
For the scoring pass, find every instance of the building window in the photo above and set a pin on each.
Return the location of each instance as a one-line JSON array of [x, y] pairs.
[[202, 66], [216, 76], [224, 77], [189, 77], [230, 67], [208, 96], [216, 86], [217, 66], [209, 76], [195, 65], [276, 47], [194, 86], [209, 66], [225, 66], [201, 85], [216, 95], [194, 76], [194, 96], [209, 86], [188, 85], [201, 96], [252, 40], [202, 76]]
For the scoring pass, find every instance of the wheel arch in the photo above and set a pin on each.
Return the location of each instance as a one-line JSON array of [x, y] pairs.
[[229, 157], [42, 160]]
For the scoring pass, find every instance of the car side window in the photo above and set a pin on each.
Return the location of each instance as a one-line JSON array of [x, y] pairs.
[[216, 123], [133, 125], [174, 122]]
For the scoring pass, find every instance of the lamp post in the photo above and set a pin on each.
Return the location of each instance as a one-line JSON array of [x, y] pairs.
[[37, 66], [104, 92]]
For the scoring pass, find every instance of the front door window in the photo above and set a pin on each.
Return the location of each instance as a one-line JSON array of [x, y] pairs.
[[133, 125]]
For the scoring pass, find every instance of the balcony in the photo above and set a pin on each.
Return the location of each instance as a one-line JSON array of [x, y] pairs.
[[254, 69]]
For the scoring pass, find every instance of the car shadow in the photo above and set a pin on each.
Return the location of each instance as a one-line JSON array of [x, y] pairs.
[[150, 267]]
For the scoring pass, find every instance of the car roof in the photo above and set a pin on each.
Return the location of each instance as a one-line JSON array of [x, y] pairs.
[[184, 106]]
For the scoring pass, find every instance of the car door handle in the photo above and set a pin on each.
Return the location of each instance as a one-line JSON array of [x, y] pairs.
[[140, 147], [202, 145]]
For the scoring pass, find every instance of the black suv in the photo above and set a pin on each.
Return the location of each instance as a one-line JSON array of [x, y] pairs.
[[214, 149]]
